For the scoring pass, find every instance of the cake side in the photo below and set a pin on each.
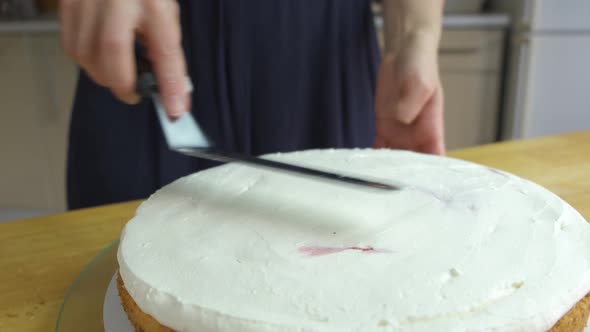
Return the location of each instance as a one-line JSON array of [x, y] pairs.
[[141, 321], [574, 320]]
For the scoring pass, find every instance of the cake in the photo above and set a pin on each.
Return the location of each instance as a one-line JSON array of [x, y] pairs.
[[460, 247]]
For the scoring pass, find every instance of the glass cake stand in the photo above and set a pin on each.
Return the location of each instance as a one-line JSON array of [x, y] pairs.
[[82, 309]]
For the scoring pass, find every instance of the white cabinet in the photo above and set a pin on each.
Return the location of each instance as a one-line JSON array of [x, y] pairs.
[[555, 89], [23, 183], [548, 73], [36, 88], [57, 76], [470, 66], [551, 15]]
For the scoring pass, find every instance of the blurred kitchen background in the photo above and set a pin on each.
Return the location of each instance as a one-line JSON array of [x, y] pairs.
[[510, 68]]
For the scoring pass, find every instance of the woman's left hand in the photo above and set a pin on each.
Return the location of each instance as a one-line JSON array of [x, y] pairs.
[[409, 101]]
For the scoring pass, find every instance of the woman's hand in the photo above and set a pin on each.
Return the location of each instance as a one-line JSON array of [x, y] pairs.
[[409, 101], [409, 96], [100, 36]]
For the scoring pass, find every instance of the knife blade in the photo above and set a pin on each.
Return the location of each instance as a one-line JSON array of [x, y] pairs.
[[220, 156], [185, 136]]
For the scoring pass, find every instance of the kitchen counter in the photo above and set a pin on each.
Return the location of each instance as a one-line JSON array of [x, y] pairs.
[[41, 257], [451, 21]]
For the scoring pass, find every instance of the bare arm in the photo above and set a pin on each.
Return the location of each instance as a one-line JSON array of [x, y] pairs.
[[412, 21]]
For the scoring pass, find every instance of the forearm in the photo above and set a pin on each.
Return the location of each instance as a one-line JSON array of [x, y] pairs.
[[412, 21]]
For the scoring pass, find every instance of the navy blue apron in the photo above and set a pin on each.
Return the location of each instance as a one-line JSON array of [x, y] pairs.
[[270, 76]]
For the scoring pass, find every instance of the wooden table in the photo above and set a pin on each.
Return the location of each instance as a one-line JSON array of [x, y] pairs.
[[40, 257]]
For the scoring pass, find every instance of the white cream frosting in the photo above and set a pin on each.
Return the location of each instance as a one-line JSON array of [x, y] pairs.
[[460, 248]]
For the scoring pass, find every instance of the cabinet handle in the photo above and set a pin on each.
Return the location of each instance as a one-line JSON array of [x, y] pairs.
[[458, 51]]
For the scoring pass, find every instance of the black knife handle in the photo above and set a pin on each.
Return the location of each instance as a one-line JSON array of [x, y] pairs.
[[147, 84]]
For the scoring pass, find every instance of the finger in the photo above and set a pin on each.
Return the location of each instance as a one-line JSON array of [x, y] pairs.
[[87, 30], [69, 19], [163, 37], [438, 109], [86, 41], [434, 148], [379, 143], [433, 125], [116, 45], [414, 95], [392, 134]]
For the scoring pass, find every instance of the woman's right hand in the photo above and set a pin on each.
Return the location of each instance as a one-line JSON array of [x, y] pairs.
[[100, 36]]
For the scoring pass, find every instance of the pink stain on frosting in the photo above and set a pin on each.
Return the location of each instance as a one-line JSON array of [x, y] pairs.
[[314, 251]]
